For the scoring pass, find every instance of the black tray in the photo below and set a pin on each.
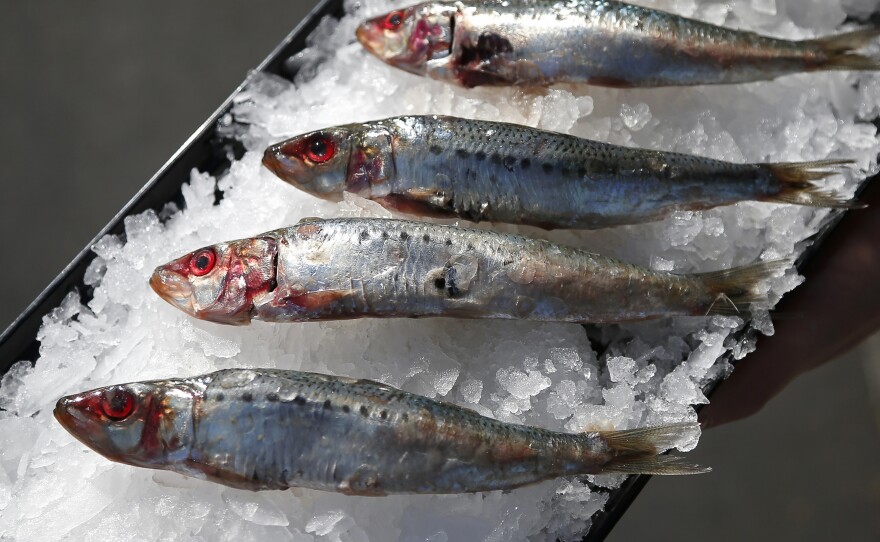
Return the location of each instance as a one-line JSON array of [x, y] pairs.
[[207, 151], [203, 151]]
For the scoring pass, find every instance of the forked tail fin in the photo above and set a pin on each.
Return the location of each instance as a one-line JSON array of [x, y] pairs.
[[840, 51], [735, 289], [635, 451], [798, 179]]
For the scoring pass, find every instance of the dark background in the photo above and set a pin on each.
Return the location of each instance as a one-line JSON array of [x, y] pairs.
[[96, 96]]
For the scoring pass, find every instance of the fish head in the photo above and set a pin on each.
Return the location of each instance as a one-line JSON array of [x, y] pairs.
[[410, 38], [316, 162], [148, 424], [219, 283], [325, 163]]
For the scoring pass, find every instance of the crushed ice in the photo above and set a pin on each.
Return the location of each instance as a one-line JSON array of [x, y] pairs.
[[553, 375]]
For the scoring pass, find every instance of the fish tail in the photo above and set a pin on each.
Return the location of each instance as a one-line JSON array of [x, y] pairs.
[[635, 451], [735, 289], [839, 51], [797, 184]]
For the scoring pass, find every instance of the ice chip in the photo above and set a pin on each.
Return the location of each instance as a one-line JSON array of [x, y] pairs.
[[445, 381], [472, 390], [142, 225], [211, 344], [620, 398], [713, 226], [714, 13], [254, 507], [108, 247], [585, 105], [621, 369], [635, 117], [661, 264], [356, 206], [323, 524], [544, 374], [94, 272], [686, 225], [761, 321], [522, 385], [567, 357], [730, 322], [706, 353], [677, 387], [767, 7], [11, 385]]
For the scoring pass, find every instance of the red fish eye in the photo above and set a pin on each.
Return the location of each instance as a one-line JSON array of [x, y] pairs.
[[320, 149], [118, 405], [393, 20], [202, 262]]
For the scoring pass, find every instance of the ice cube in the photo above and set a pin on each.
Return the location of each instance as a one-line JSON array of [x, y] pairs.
[[764, 6], [472, 390], [255, 508], [323, 524], [542, 374], [635, 117]]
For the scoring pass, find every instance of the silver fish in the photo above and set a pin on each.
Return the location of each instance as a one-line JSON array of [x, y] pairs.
[[500, 172], [598, 42], [360, 267], [271, 429]]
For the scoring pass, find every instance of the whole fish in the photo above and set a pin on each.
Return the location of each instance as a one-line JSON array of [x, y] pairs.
[[272, 429], [362, 267], [598, 42], [500, 172]]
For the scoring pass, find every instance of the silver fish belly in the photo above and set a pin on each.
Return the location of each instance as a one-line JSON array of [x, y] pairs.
[[272, 429], [352, 268], [501, 172], [600, 42]]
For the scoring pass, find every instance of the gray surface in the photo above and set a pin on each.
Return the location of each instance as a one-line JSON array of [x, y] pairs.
[[97, 95], [807, 467]]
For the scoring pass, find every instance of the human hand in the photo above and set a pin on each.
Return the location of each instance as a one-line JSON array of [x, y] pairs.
[[834, 310]]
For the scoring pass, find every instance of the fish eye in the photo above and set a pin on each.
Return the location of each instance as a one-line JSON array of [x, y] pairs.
[[202, 262], [319, 149], [118, 404], [393, 20]]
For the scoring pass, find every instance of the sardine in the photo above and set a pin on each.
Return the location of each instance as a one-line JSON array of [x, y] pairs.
[[598, 42], [362, 267], [500, 172], [272, 429]]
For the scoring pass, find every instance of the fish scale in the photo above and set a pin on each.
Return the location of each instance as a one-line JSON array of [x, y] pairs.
[[473, 43], [501, 172], [403, 272], [274, 429]]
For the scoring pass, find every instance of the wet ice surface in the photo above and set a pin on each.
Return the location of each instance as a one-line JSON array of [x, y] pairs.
[[552, 375]]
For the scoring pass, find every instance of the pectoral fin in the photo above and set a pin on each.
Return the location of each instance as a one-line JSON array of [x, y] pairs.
[[419, 202], [313, 301]]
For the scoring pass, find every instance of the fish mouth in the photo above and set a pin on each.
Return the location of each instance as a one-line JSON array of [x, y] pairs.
[[363, 35], [63, 415], [73, 413], [72, 419], [407, 53], [273, 162], [178, 292], [373, 40], [173, 288]]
